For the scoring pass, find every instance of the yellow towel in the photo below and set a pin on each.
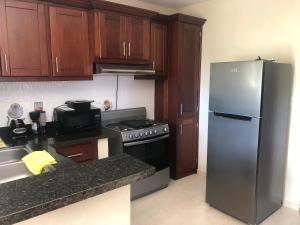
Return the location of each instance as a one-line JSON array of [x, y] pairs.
[[2, 144], [36, 161]]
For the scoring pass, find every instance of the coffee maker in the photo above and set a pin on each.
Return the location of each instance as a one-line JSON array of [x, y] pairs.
[[35, 116], [38, 119], [17, 126]]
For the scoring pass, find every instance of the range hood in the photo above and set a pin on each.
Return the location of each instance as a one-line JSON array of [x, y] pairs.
[[120, 69]]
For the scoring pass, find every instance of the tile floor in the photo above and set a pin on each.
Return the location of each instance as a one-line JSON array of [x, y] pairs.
[[183, 203]]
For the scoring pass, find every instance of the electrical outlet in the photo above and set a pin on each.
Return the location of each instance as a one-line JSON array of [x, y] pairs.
[[38, 106]]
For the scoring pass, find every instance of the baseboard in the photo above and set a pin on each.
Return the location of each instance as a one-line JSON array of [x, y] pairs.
[[201, 173], [291, 205]]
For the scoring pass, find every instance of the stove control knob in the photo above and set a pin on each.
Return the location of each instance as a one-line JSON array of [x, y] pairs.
[[150, 132], [141, 134], [130, 136], [155, 131], [136, 135], [146, 133], [165, 129]]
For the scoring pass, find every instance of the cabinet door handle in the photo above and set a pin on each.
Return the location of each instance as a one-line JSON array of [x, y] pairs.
[[181, 129], [5, 62], [181, 109], [56, 63], [153, 65], [124, 48], [75, 155], [129, 49]]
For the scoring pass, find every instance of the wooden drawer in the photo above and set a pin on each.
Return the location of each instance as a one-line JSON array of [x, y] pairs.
[[80, 152]]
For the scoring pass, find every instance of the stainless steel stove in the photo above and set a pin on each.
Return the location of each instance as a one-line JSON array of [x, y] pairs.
[[139, 129], [145, 140]]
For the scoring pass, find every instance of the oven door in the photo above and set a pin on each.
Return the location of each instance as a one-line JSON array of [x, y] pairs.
[[152, 151]]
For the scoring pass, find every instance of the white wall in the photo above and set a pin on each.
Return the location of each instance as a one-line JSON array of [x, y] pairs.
[[242, 30], [132, 93]]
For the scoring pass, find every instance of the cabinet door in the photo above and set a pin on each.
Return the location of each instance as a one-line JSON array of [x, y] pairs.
[[186, 157], [159, 47], [138, 38], [69, 39], [80, 152], [23, 39], [111, 38], [189, 69]]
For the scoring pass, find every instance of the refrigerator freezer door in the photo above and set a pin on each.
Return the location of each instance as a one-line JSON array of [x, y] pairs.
[[235, 87], [231, 165]]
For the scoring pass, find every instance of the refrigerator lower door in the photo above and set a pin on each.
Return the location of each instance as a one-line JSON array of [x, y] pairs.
[[235, 87], [231, 164]]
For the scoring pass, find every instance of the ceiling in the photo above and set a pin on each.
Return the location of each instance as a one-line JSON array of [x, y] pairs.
[[173, 3]]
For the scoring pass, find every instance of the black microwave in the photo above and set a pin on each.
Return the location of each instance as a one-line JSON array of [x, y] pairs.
[[68, 120]]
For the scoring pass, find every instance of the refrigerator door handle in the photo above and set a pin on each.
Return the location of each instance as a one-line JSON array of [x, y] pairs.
[[234, 117]]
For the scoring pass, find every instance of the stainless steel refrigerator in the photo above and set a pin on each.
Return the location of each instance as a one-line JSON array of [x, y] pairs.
[[249, 108]]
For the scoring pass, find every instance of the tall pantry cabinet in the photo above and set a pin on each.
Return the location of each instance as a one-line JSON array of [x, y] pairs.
[[184, 57]]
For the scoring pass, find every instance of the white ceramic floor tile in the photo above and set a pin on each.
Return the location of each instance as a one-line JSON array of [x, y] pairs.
[[183, 203]]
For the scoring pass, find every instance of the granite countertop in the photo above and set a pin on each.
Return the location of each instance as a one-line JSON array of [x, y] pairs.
[[70, 182]]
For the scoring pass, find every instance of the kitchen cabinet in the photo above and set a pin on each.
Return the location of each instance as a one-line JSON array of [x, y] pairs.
[[112, 39], [69, 42], [159, 47], [80, 152], [184, 53], [189, 82], [23, 40], [120, 38], [159, 63], [186, 157], [138, 38]]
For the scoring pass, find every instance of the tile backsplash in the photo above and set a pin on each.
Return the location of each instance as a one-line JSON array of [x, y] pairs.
[[132, 93]]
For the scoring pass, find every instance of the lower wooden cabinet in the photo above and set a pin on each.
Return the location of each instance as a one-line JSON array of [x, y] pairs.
[[80, 152], [187, 148]]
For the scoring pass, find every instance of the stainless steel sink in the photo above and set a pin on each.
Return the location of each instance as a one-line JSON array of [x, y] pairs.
[[11, 164], [13, 171], [11, 155]]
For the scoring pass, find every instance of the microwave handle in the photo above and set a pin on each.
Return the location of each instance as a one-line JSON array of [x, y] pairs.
[[146, 141]]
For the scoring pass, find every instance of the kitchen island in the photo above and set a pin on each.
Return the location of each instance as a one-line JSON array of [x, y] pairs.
[[95, 192]]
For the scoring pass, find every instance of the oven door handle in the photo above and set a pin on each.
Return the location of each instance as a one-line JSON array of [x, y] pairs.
[[146, 141]]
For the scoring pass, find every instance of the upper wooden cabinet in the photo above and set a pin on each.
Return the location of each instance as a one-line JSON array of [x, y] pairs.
[[111, 39], [138, 38], [23, 39], [69, 41], [119, 38], [159, 47], [189, 82]]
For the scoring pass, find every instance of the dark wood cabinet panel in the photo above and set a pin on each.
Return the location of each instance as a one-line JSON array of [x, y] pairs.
[[69, 41], [159, 47], [23, 39], [186, 156], [80, 152], [119, 38], [111, 39], [138, 38], [184, 51], [189, 69]]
